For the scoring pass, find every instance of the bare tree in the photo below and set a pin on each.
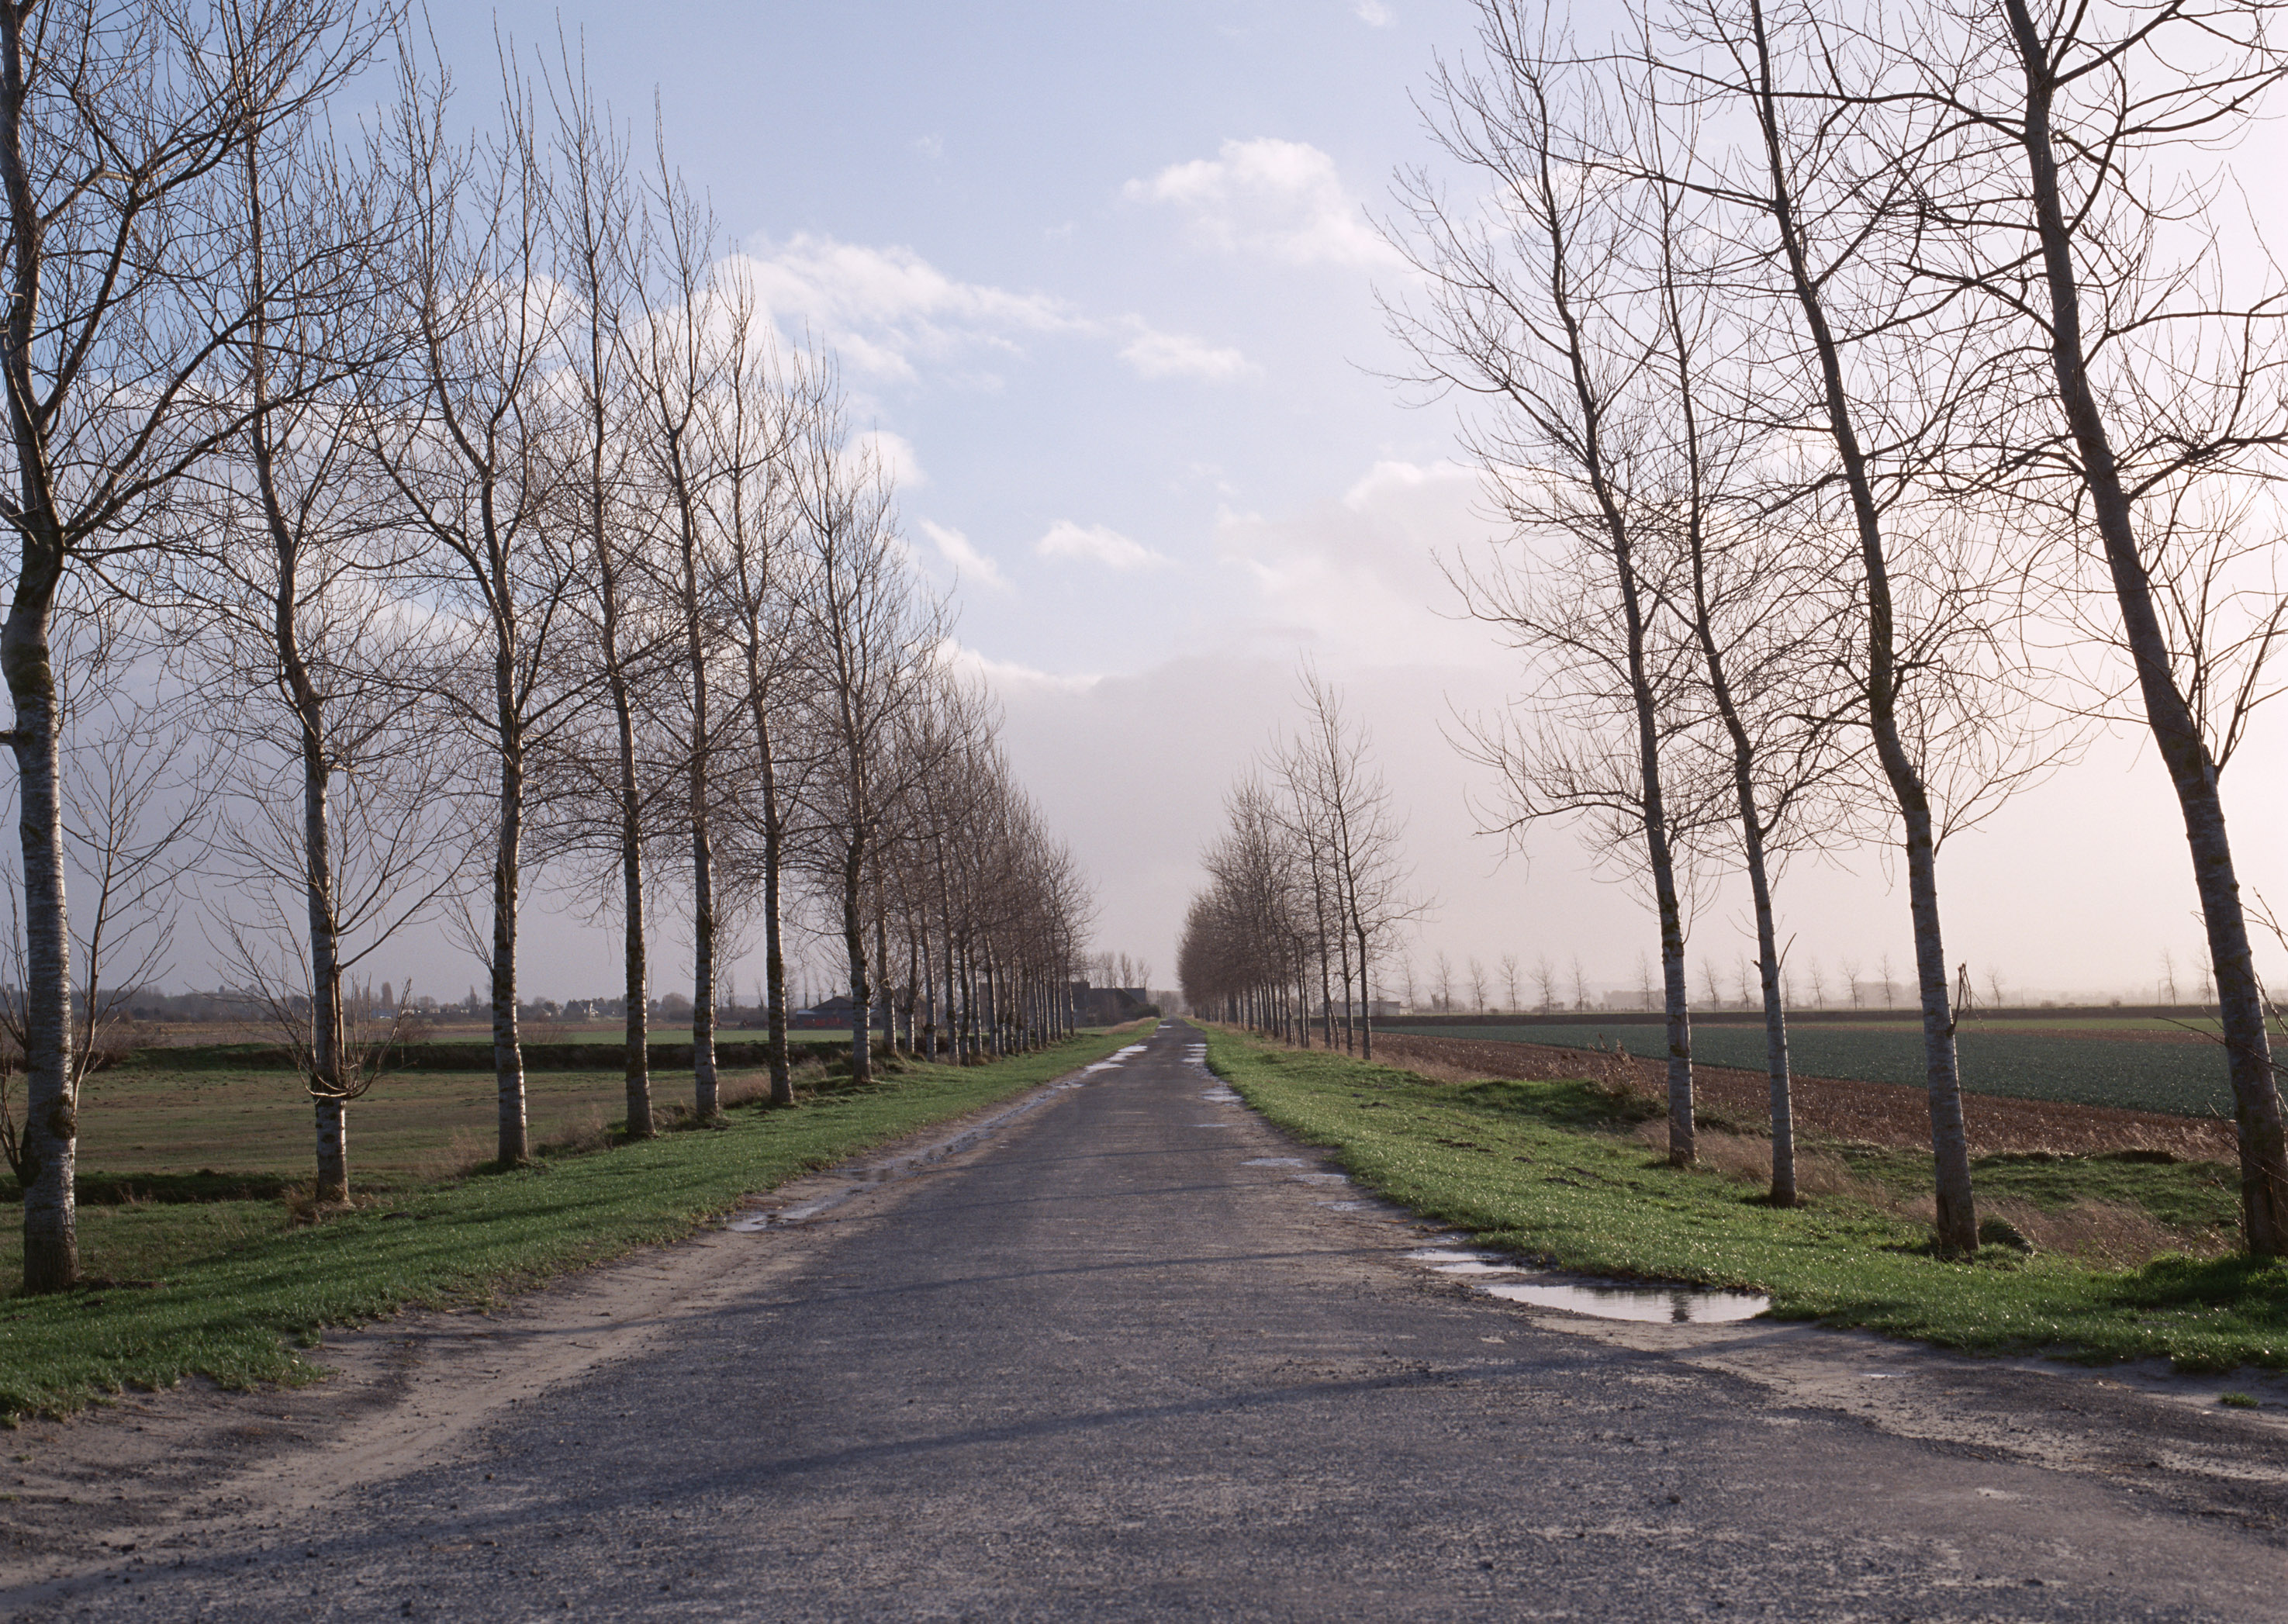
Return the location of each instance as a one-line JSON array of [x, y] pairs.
[[464, 445], [677, 378], [762, 419], [308, 658], [1544, 982], [1477, 974], [1510, 972], [1811, 211], [136, 798], [870, 633], [1526, 312], [2075, 124], [1361, 835], [117, 130], [1443, 979], [594, 239]]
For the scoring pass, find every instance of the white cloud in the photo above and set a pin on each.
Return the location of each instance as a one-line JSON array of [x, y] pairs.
[[1269, 196], [1096, 545], [1373, 13], [1356, 578], [1173, 355], [1007, 678], [895, 454], [956, 550], [931, 146], [885, 308], [886, 312]]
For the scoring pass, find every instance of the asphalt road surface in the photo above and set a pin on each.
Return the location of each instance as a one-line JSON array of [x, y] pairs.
[[1129, 1354]]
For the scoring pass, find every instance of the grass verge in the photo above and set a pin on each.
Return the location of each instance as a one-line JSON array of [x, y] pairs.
[[1555, 1170], [226, 1289]]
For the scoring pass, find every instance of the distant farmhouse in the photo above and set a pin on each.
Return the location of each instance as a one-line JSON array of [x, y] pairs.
[[828, 1015]]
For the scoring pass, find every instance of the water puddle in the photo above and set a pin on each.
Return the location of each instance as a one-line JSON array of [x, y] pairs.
[[1113, 1058], [1321, 1179], [1276, 1161], [1220, 1097], [1651, 1304], [1214, 1124], [1343, 1206]]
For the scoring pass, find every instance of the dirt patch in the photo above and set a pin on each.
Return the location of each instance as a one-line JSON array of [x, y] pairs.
[[1833, 1107]]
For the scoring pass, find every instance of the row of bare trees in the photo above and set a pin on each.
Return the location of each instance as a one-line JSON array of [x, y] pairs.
[[1866, 388], [451, 485], [1308, 887]]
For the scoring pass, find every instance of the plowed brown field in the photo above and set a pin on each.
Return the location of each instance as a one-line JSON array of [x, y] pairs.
[[1835, 1108]]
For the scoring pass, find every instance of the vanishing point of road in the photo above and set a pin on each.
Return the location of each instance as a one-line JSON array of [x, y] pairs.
[[1126, 1353]]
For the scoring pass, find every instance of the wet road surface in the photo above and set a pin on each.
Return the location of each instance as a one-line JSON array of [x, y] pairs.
[[1135, 1356]]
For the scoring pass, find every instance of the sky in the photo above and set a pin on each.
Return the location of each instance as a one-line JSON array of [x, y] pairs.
[[1104, 282]]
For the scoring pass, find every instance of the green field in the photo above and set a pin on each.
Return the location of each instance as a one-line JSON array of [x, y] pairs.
[[1555, 1171], [183, 1110], [228, 1287], [2184, 1079]]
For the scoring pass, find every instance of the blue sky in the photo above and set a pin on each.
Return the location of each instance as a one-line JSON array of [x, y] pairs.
[[1100, 267], [1104, 278]]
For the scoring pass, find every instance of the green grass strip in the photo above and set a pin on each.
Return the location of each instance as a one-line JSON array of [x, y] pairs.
[[1549, 1170], [238, 1286]]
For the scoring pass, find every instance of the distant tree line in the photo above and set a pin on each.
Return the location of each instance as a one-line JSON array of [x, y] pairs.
[[1308, 888]]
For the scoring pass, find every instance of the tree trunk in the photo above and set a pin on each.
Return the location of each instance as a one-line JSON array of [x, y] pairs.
[[706, 1097], [508, 1053], [1366, 999], [861, 988], [51, 1129], [1957, 1230], [2176, 732], [774, 861], [328, 1087], [636, 978]]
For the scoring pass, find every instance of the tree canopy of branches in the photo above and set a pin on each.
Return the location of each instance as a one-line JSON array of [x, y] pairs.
[[457, 486]]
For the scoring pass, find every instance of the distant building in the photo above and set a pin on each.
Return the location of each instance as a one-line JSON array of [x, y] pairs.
[[828, 1015], [1109, 1006]]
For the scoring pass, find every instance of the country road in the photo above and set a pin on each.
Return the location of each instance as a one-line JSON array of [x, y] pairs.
[[1126, 1353]]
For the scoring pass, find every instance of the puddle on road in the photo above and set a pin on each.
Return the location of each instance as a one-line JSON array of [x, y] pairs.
[[1113, 1058], [1474, 1267], [1276, 1161], [1220, 1097], [1320, 1179], [1655, 1304], [1651, 1304]]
